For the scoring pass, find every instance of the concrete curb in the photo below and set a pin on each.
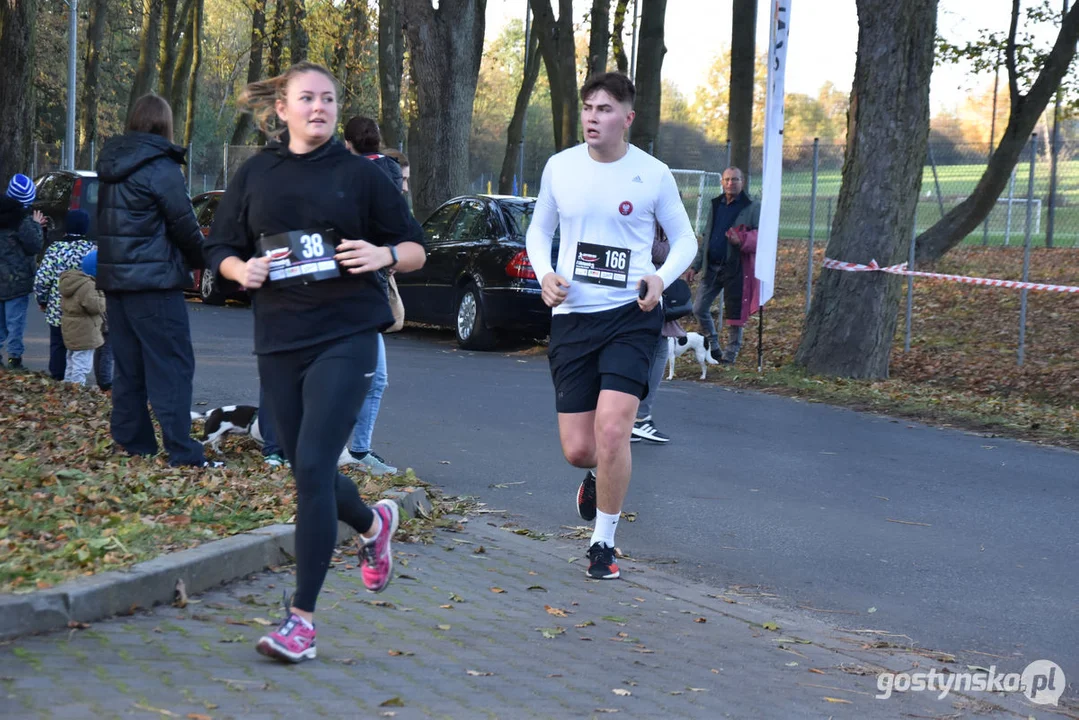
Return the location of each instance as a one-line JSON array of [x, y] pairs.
[[153, 582]]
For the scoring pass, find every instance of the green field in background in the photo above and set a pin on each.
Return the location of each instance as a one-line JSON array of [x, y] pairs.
[[956, 182]]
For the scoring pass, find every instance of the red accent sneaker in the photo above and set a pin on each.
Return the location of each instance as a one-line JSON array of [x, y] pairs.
[[602, 565], [586, 497]]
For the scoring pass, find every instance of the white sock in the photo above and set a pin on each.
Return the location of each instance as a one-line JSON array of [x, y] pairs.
[[605, 527], [377, 527]]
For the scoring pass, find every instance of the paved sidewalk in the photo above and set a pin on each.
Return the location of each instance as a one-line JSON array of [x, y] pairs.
[[465, 631]]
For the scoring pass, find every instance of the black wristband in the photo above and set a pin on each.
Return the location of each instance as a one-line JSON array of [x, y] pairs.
[[393, 254]]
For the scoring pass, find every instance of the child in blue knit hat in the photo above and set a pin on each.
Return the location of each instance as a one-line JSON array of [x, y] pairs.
[[20, 242]]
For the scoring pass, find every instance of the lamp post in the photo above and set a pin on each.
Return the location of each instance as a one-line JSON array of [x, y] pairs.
[[72, 43]]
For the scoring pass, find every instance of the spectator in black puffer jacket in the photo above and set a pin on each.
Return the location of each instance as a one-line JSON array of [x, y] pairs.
[[148, 240]]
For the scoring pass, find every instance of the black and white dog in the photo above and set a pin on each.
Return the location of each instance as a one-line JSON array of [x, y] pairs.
[[692, 341], [234, 419]]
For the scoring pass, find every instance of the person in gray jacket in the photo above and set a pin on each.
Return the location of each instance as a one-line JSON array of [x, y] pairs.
[[714, 262]]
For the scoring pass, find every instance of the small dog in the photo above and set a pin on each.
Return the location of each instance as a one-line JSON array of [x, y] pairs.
[[692, 341], [234, 419]]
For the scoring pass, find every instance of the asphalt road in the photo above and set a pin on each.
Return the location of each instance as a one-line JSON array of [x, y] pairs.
[[960, 543]]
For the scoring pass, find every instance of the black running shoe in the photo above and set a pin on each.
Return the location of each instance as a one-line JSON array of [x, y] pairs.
[[586, 497], [602, 565]]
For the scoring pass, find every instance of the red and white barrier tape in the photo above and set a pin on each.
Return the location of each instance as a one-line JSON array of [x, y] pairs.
[[901, 269]]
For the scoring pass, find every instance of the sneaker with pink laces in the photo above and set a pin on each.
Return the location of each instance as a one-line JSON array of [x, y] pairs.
[[292, 641], [376, 560]]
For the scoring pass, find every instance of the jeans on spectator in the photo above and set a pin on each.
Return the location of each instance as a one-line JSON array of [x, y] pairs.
[[708, 290], [734, 342], [365, 420], [13, 324]]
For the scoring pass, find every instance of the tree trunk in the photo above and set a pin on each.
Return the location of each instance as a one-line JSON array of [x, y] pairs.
[[391, 68], [172, 25], [599, 37], [149, 51], [95, 35], [515, 131], [649, 63], [851, 326], [743, 60], [277, 37], [352, 36], [298, 42], [1023, 116], [16, 97], [242, 131], [198, 14], [557, 47], [182, 61], [447, 46], [618, 32]]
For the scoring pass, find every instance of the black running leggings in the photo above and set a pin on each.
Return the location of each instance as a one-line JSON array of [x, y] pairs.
[[314, 394]]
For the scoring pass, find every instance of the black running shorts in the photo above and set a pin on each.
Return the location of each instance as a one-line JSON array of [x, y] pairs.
[[606, 350]]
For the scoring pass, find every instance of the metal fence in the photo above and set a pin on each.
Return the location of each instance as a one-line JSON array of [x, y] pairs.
[[812, 175]]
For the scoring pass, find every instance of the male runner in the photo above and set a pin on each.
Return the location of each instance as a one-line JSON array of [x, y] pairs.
[[606, 196]]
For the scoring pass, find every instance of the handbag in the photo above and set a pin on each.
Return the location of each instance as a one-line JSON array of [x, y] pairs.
[[677, 300], [396, 305]]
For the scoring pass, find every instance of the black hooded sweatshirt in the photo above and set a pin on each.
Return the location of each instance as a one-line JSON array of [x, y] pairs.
[[147, 234], [278, 191]]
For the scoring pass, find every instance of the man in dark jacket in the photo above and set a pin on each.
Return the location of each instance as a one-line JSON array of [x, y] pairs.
[[715, 263], [148, 239], [20, 242]]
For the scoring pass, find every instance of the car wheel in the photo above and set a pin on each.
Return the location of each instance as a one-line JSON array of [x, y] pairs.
[[208, 289], [472, 334]]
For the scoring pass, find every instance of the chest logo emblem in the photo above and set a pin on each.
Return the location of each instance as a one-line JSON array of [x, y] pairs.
[[626, 207]]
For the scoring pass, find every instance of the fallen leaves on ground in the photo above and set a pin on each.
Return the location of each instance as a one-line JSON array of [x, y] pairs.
[[961, 369], [72, 504]]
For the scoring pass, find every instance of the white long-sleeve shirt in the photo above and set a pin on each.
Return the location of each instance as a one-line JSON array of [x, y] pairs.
[[608, 208]]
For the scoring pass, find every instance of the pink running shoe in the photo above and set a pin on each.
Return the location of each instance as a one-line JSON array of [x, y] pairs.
[[292, 641], [376, 560]]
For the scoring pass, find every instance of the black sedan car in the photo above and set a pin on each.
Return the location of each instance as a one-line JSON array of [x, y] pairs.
[[477, 279], [63, 190], [204, 283]]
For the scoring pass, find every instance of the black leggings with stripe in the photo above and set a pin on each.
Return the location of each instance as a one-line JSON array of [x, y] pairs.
[[313, 396]]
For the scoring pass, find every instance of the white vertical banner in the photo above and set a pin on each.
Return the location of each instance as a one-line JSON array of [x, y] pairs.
[[772, 181]]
